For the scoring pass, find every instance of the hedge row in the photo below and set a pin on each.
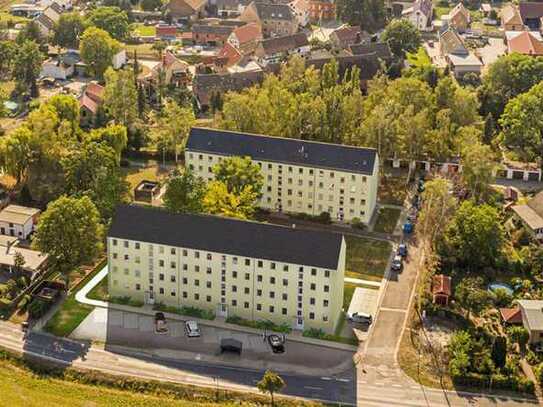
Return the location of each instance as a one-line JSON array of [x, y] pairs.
[[496, 381]]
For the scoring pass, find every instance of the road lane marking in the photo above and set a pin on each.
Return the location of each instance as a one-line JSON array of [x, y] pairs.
[[312, 388], [343, 380]]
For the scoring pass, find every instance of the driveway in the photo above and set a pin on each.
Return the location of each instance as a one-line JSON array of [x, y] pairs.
[[491, 52]]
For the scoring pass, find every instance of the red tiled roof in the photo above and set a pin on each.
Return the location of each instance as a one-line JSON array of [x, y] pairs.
[[87, 102], [230, 54], [248, 32], [525, 43], [347, 33], [511, 315], [441, 284], [95, 91], [168, 30]]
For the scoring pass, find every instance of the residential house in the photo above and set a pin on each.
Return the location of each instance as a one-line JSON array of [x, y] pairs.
[[420, 14], [56, 68], [212, 35], [276, 49], [458, 57], [175, 71], [166, 32], [228, 56], [531, 215], [90, 102], [458, 18], [300, 8], [256, 271], [274, 19], [511, 19], [204, 85], [531, 13], [47, 20], [532, 319], [18, 221], [441, 289], [187, 9], [245, 38], [525, 43], [299, 176], [380, 50], [34, 261], [345, 36], [321, 10], [228, 8], [511, 316]]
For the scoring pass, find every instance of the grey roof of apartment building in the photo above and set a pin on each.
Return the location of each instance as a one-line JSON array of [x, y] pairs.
[[229, 236], [283, 150]]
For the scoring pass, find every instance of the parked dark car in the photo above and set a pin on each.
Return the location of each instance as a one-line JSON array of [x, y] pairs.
[[231, 345], [160, 323], [277, 343]]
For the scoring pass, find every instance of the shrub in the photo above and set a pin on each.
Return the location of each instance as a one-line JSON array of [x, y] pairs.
[[37, 308], [320, 334], [126, 300], [260, 324], [188, 311], [357, 224]]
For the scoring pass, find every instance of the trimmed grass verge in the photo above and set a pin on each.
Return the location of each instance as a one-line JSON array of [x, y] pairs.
[[28, 383]]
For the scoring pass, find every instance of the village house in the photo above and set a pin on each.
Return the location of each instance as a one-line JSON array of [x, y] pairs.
[[321, 10], [228, 56], [458, 57], [458, 18], [228, 8], [511, 19], [34, 261], [273, 50], [205, 85], [531, 13], [245, 38], [532, 319], [174, 71], [90, 102], [274, 19], [47, 20], [300, 8], [166, 32], [380, 50], [213, 34], [525, 43], [531, 215], [187, 9], [18, 221], [345, 36], [420, 14]]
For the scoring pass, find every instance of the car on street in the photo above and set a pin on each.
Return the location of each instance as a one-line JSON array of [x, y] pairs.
[[397, 264], [360, 318], [231, 345], [191, 329], [277, 343], [161, 327], [402, 249]]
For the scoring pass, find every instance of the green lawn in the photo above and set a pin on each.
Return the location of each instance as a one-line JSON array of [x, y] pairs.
[[134, 175], [440, 11], [7, 19], [143, 50], [419, 58], [392, 190], [386, 220], [68, 317], [366, 258], [144, 30], [100, 292]]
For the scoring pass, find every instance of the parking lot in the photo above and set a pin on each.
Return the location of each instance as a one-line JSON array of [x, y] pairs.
[[138, 331]]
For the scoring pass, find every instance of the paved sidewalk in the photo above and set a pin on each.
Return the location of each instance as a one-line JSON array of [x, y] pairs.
[[365, 282]]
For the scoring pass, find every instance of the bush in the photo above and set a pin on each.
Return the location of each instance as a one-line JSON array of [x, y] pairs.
[[320, 334], [126, 300], [188, 311], [37, 308], [260, 324], [357, 224], [324, 217]]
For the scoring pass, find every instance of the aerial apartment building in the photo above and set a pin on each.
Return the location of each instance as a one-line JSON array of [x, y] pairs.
[[299, 176], [253, 270]]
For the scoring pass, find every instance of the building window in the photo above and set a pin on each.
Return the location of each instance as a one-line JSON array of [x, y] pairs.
[[234, 303], [259, 307], [247, 276], [172, 264], [114, 241], [259, 264], [208, 298], [272, 294], [161, 277], [161, 290], [259, 278], [312, 286], [161, 263], [197, 283], [312, 301], [234, 289], [285, 282], [185, 253], [185, 267], [209, 257], [245, 305], [272, 280], [285, 297], [246, 290], [137, 245], [327, 273], [125, 243], [185, 281], [259, 293], [325, 303], [234, 260], [311, 315], [284, 311], [172, 293], [272, 266], [285, 268], [185, 294], [313, 272], [326, 288], [172, 279], [197, 297], [138, 287], [197, 269], [234, 274], [272, 309], [208, 284]]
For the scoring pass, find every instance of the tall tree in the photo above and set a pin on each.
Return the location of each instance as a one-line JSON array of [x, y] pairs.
[[478, 164], [522, 124], [218, 200], [176, 122], [402, 37], [471, 295], [184, 193], [16, 152], [151, 5], [475, 236], [110, 19], [97, 50], [69, 230], [68, 29], [8, 50], [270, 383], [30, 32], [67, 109], [238, 174], [27, 67], [370, 15], [121, 97]]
